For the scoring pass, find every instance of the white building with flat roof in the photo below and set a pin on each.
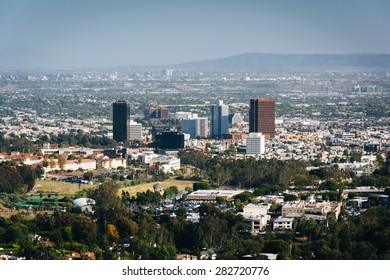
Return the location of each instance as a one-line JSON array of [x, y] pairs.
[[134, 131], [255, 215], [85, 164], [181, 115], [167, 164], [70, 150], [255, 144], [300, 207], [283, 223], [211, 195]]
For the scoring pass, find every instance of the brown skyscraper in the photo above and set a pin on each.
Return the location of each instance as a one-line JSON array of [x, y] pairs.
[[262, 116]]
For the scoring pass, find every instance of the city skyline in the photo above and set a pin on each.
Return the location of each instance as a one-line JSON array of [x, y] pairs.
[[323, 176], [69, 34]]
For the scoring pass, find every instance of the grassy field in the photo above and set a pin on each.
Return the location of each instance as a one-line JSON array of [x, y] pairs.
[[62, 188], [181, 185]]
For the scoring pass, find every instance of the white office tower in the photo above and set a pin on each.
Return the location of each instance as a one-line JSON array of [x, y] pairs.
[[167, 72], [134, 131], [219, 120], [255, 144], [195, 127]]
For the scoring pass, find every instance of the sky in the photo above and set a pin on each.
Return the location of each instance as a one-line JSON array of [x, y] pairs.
[[115, 33]]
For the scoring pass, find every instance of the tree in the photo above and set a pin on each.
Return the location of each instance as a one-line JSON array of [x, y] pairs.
[[171, 192], [126, 227], [148, 197], [220, 200], [165, 252], [244, 196], [211, 226], [331, 185], [301, 180], [10, 180], [147, 228], [277, 246], [112, 233], [355, 157], [61, 161], [101, 178], [201, 186], [28, 176], [84, 230], [290, 197], [365, 251], [107, 203], [15, 233], [52, 163], [88, 175], [181, 213], [309, 227], [39, 172], [374, 200]]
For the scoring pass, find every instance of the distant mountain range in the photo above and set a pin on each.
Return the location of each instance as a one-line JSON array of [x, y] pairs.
[[292, 63], [24, 58]]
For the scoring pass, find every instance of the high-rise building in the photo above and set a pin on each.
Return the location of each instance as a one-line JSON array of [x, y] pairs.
[[195, 127], [262, 116], [157, 113], [255, 144], [167, 72], [120, 120], [219, 119], [134, 131]]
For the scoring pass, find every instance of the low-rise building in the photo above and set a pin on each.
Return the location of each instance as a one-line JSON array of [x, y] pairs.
[[84, 164], [86, 204], [359, 168], [211, 195], [167, 164], [300, 208], [277, 199], [113, 163], [255, 215], [69, 151], [283, 223]]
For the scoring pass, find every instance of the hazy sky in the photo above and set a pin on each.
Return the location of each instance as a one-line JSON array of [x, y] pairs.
[[84, 33]]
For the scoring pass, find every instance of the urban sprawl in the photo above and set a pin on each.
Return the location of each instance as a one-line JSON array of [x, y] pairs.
[[171, 164]]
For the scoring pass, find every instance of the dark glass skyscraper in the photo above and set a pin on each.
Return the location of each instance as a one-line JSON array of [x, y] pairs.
[[262, 116], [120, 120], [169, 140]]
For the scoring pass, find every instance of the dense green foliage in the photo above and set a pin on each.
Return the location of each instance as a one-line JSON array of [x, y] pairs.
[[246, 173], [18, 179], [24, 145], [79, 139], [364, 237], [171, 192]]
